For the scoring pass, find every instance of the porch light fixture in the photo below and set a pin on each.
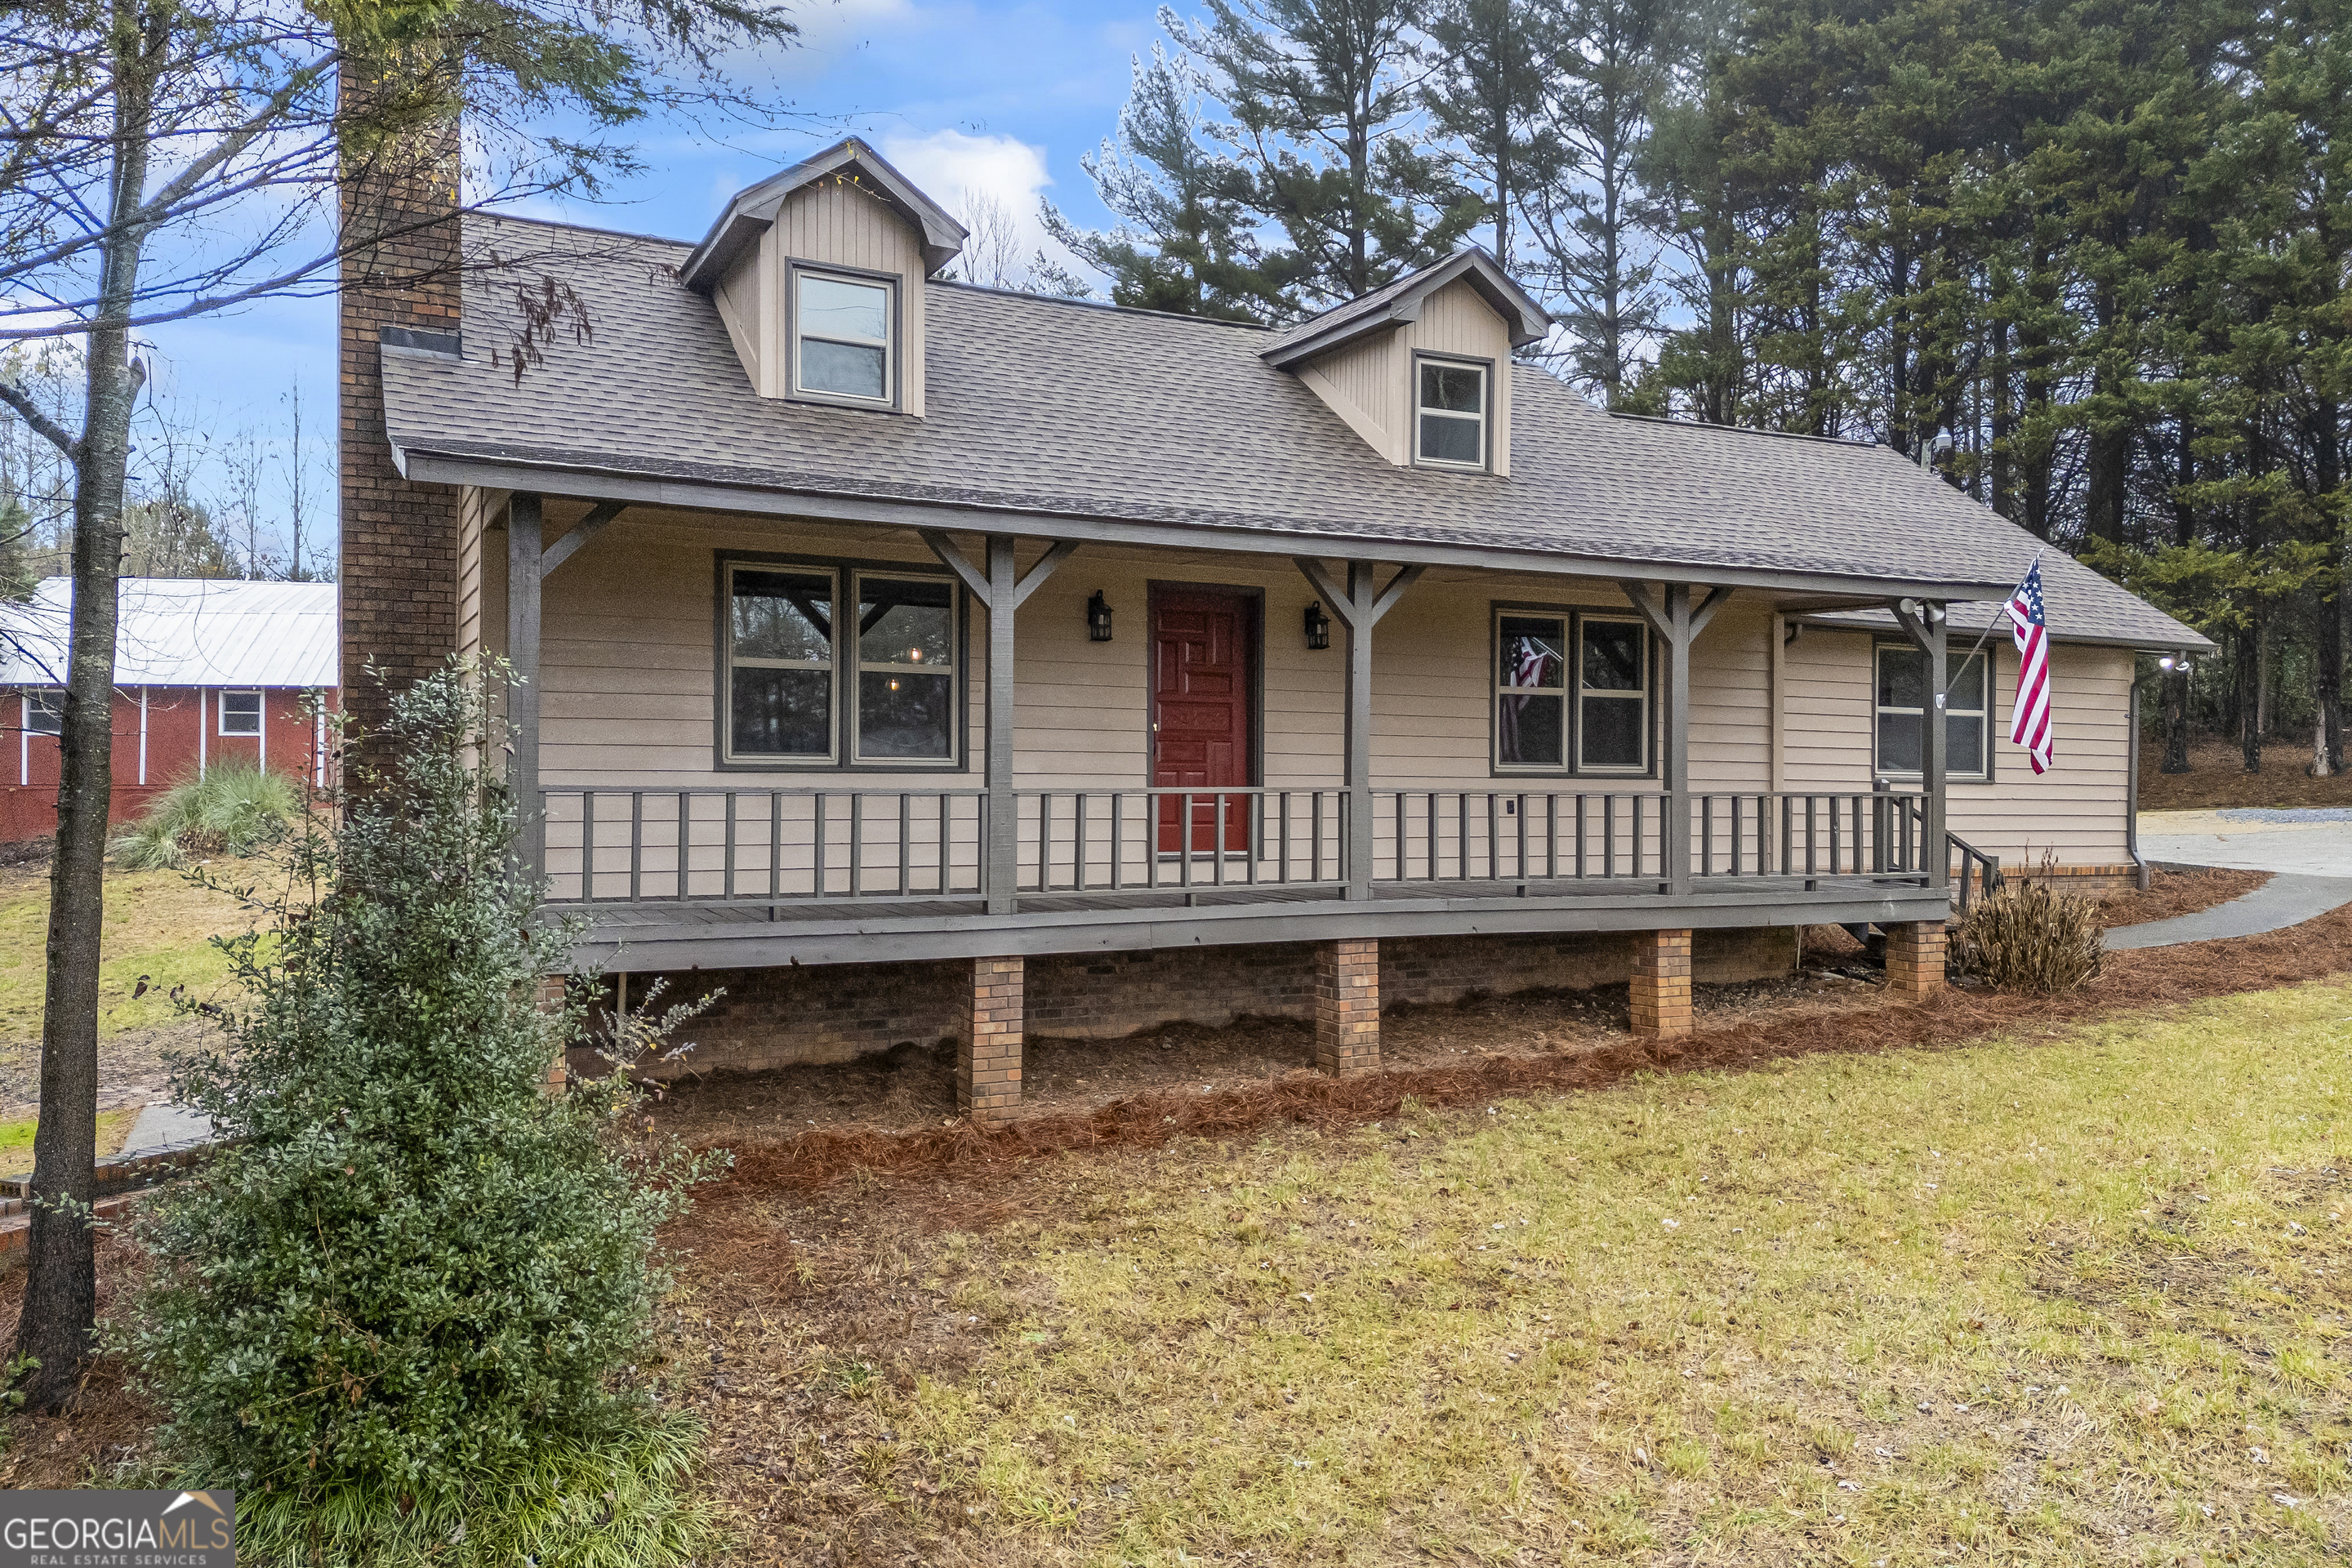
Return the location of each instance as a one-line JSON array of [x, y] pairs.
[[1318, 627], [1098, 618]]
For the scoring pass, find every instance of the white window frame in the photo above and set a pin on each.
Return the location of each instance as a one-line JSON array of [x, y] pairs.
[[1565, 620], [1484, 418], [859, 667], [1982, 770], [44, 699], [831, 755], [261, 711], [1640, 696], [888, 342]]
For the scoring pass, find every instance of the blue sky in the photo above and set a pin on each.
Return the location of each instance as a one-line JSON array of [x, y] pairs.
[[964, 95]]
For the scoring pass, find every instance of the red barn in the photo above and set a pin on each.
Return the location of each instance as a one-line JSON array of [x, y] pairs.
[[204, 669]]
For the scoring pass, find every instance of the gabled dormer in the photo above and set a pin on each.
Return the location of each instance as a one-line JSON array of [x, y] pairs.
[[819, 272], [1421, 369]]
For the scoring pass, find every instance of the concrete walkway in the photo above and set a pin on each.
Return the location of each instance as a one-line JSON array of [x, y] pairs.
[[2310, 849], [161, 1129], [2286, 899]]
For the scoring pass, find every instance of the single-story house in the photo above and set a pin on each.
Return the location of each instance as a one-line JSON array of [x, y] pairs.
[[204, 670], [917, 660]]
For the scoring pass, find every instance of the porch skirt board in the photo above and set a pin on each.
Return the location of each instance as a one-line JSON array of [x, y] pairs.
[[792, 1016]]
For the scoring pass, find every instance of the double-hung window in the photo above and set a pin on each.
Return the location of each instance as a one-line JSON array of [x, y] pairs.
[[44, 713], [1449, 413], [1904, 696], [826, 665], [1571, 693], [240, 712], [841, 332]]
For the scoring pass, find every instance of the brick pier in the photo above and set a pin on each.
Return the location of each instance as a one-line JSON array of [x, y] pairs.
[[1915, 959], [1347, 1005], [988, 1039], [1661, 982]]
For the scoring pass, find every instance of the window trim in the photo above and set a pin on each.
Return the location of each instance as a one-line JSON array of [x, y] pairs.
[[1486, 369], [1572, 694], [220, 711], [893, 377], [48, 700], [1952, 775], [842, 758]]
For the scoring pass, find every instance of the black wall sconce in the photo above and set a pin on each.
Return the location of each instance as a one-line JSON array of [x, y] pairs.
[[1098, 618], [1318, 627]]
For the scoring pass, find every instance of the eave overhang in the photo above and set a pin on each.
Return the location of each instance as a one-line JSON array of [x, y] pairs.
[[588, 481], [1526, 321], [753, 212]]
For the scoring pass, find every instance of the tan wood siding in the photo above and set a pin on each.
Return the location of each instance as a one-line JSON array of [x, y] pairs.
[[630, 684], [2075, 811], [737, 299], [838, 224], [1370, 384]]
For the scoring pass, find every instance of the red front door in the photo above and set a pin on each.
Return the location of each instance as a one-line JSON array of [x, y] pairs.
[[1203, 680]]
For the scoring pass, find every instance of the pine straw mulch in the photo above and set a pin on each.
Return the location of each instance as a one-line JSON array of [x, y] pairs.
[[2171, 893], [960, 1152], [2217, 777]]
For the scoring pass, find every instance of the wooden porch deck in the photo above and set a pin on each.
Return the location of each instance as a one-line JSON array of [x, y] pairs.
[[673, 934]]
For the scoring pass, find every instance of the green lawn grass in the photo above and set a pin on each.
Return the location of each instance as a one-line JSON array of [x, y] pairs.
[[16, 1138], [2061, 1299], [157, 925]]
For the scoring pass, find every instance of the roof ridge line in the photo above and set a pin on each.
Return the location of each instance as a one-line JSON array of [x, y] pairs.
[[1084, 302], [1747, 430]]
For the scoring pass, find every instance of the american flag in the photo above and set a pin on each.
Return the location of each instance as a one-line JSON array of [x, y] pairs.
[[2029, 724]]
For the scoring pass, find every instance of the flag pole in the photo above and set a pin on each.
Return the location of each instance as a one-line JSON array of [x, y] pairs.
[[1950, 679]]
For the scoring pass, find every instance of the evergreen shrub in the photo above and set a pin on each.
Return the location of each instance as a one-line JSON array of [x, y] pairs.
[[399, 1310], [2027, 937]]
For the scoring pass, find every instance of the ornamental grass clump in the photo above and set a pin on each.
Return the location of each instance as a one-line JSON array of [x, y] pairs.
[[235, 808], [2028, 937], [400, 1307]]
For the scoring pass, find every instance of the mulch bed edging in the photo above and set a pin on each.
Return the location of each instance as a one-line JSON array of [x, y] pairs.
[[2129, 983]]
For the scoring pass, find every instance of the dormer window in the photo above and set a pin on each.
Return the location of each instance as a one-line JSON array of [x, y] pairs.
[[841, 337], [1450, 414]]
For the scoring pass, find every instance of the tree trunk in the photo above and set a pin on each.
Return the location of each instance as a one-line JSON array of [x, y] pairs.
[[2176, 721], [61, 1273], [2249, 695]]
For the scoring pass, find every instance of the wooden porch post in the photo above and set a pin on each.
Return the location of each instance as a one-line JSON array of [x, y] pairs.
[[1360, 608], [1004, 816], [1001, 592], [523, 571], [1926, 627], [1676, 624]]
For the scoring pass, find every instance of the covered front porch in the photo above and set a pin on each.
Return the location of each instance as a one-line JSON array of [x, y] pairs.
[[1012, 851]]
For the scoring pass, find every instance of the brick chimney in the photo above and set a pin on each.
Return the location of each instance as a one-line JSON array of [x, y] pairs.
[[399, 541]]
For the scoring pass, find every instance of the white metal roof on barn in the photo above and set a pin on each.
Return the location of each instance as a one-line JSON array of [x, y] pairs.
[[185, 631]]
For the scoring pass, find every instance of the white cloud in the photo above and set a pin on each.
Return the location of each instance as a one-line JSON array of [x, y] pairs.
[[958, 170]]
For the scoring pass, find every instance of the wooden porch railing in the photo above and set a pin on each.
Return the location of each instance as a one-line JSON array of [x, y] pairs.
[[1111, 841], [766, 846], [1980, 873]]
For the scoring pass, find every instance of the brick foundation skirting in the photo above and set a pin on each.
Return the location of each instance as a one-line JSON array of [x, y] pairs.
[[1660, 990], [789, 1016]]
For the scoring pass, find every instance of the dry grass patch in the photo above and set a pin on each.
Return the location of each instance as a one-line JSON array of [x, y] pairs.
[[2059, 1299]]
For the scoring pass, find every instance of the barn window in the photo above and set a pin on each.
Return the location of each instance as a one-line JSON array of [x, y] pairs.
[[44, 713], [240, 712]]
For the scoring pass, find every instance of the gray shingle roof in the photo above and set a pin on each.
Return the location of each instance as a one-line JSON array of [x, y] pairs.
[[1401, 300], [1057, 407]]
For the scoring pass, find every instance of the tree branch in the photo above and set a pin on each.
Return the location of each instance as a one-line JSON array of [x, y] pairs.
[[30, 413]]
